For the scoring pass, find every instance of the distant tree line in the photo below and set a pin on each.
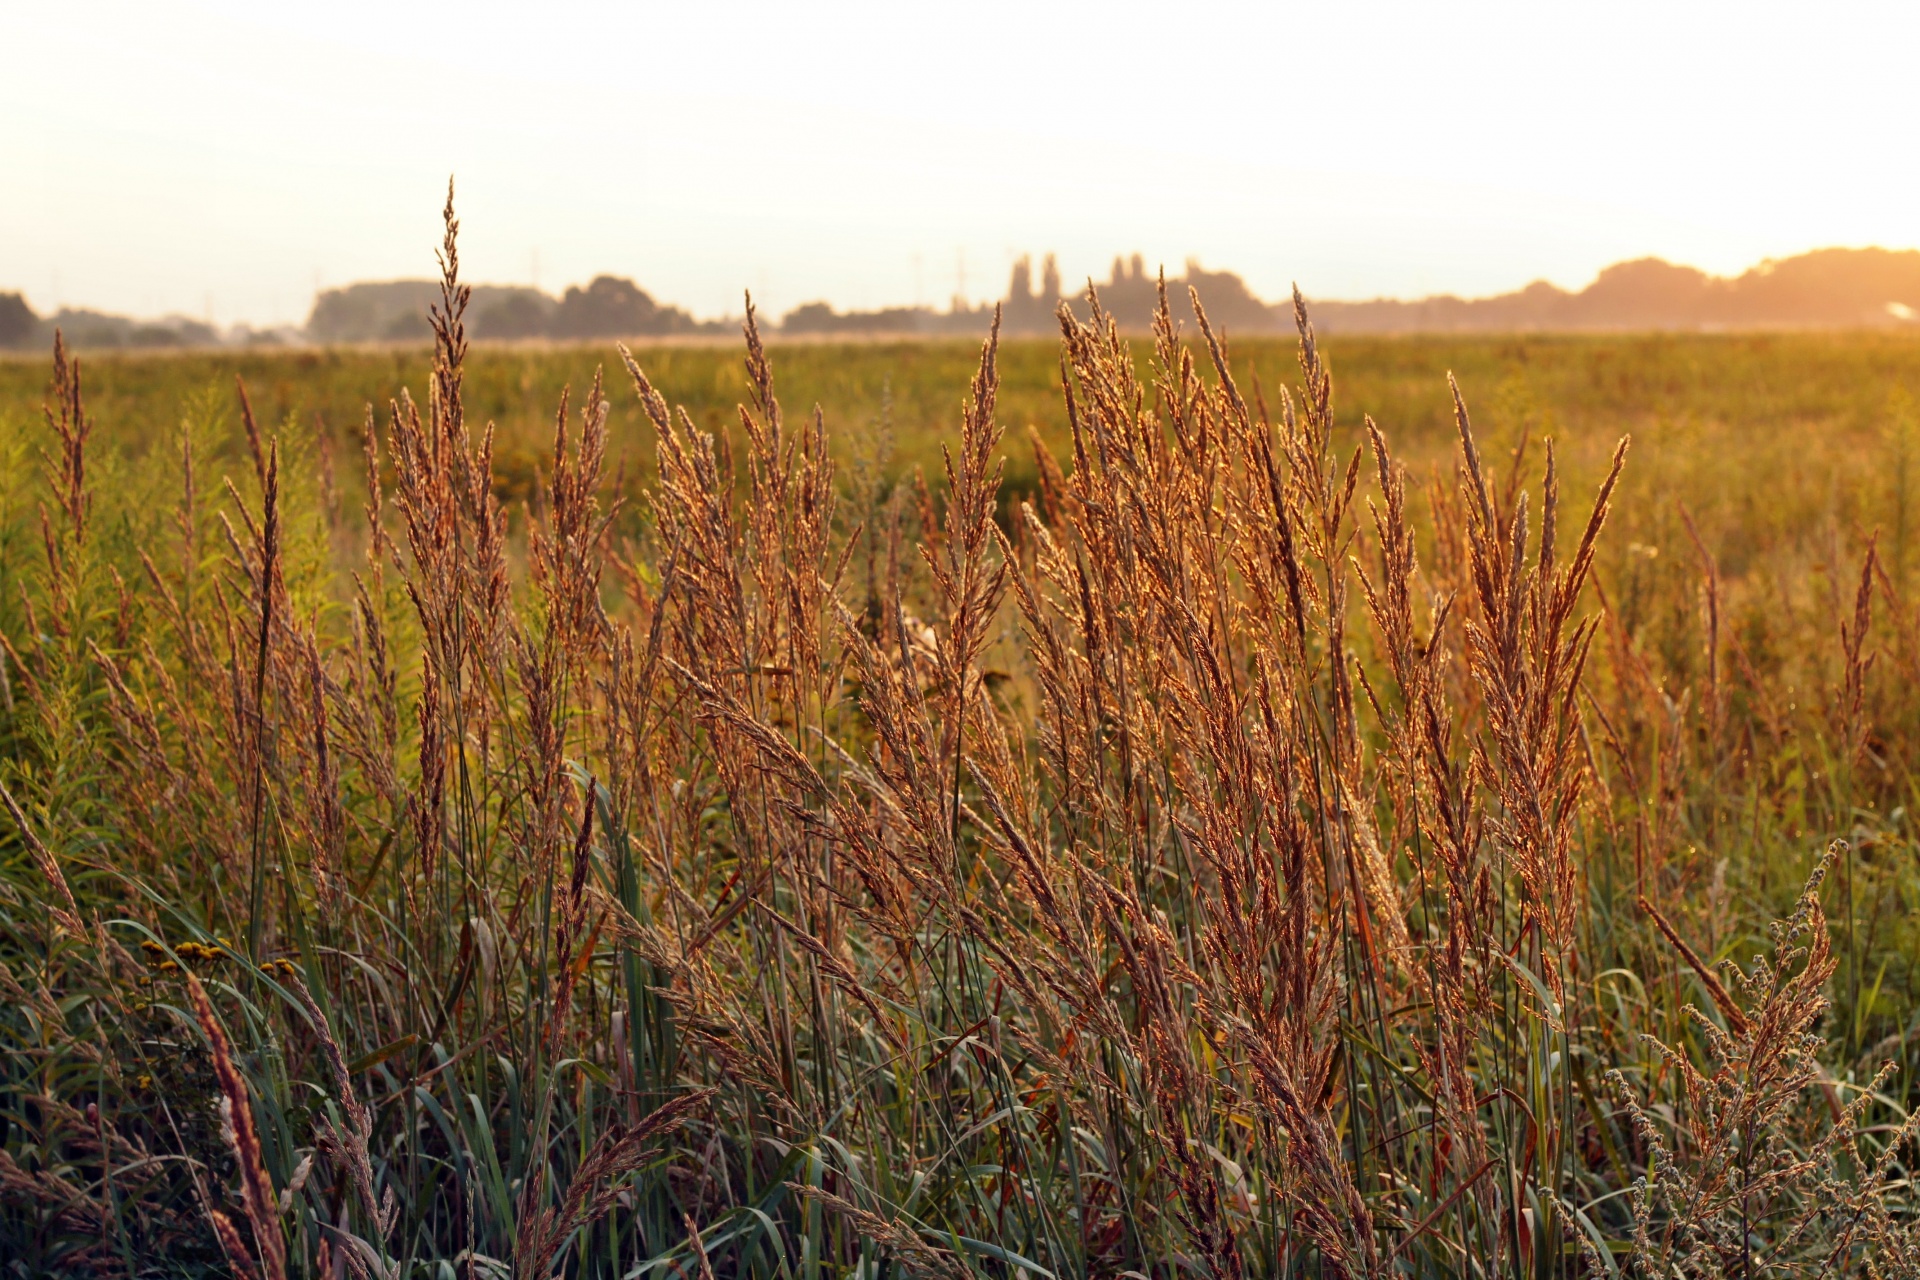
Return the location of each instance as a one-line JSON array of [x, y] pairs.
[[1828, 287], [396, 311], [1839, 288], [21, 329], [1129, 295]]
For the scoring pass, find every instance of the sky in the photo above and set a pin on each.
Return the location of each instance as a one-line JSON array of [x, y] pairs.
[[223, 159]]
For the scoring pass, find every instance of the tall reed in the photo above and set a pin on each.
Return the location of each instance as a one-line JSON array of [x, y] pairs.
[[1202, 864]]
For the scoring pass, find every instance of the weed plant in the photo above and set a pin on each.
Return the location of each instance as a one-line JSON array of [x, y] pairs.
[[1233, 856]]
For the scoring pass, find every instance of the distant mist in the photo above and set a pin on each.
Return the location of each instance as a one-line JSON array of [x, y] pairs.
[[1827, 288]]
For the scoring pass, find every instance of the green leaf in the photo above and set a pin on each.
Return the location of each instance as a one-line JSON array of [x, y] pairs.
[[368, 1062]]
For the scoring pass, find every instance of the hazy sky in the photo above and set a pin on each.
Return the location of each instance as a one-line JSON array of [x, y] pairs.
[[222, 158]]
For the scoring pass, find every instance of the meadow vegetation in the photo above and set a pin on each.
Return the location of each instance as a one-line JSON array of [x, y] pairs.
[[1200, 831]]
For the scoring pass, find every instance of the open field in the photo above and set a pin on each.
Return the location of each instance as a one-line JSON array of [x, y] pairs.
[[1695, 393], [1223, 843]]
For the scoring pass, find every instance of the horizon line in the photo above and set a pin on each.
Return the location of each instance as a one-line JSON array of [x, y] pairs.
[[955, 304]]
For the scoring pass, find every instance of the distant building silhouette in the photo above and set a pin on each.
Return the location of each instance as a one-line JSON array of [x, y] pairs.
[[1027, 312], [1828, 288], [1130, 295]]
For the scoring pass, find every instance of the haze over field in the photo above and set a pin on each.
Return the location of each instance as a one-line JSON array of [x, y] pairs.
[[226, 161], [1830, 288], [937, 774]]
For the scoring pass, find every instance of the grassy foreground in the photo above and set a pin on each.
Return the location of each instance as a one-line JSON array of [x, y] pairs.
[[1229, 840]]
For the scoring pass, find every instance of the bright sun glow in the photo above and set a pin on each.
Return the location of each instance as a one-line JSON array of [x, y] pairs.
[[223, 159]]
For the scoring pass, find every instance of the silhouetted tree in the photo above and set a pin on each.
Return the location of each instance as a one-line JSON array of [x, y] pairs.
[[18, 325], [612, 306], [820, 317], [521, 313]]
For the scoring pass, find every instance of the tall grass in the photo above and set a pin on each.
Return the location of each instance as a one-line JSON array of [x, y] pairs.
[[1231, 860]]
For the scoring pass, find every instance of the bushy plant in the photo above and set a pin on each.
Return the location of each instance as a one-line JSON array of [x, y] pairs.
[[1183, 871]]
